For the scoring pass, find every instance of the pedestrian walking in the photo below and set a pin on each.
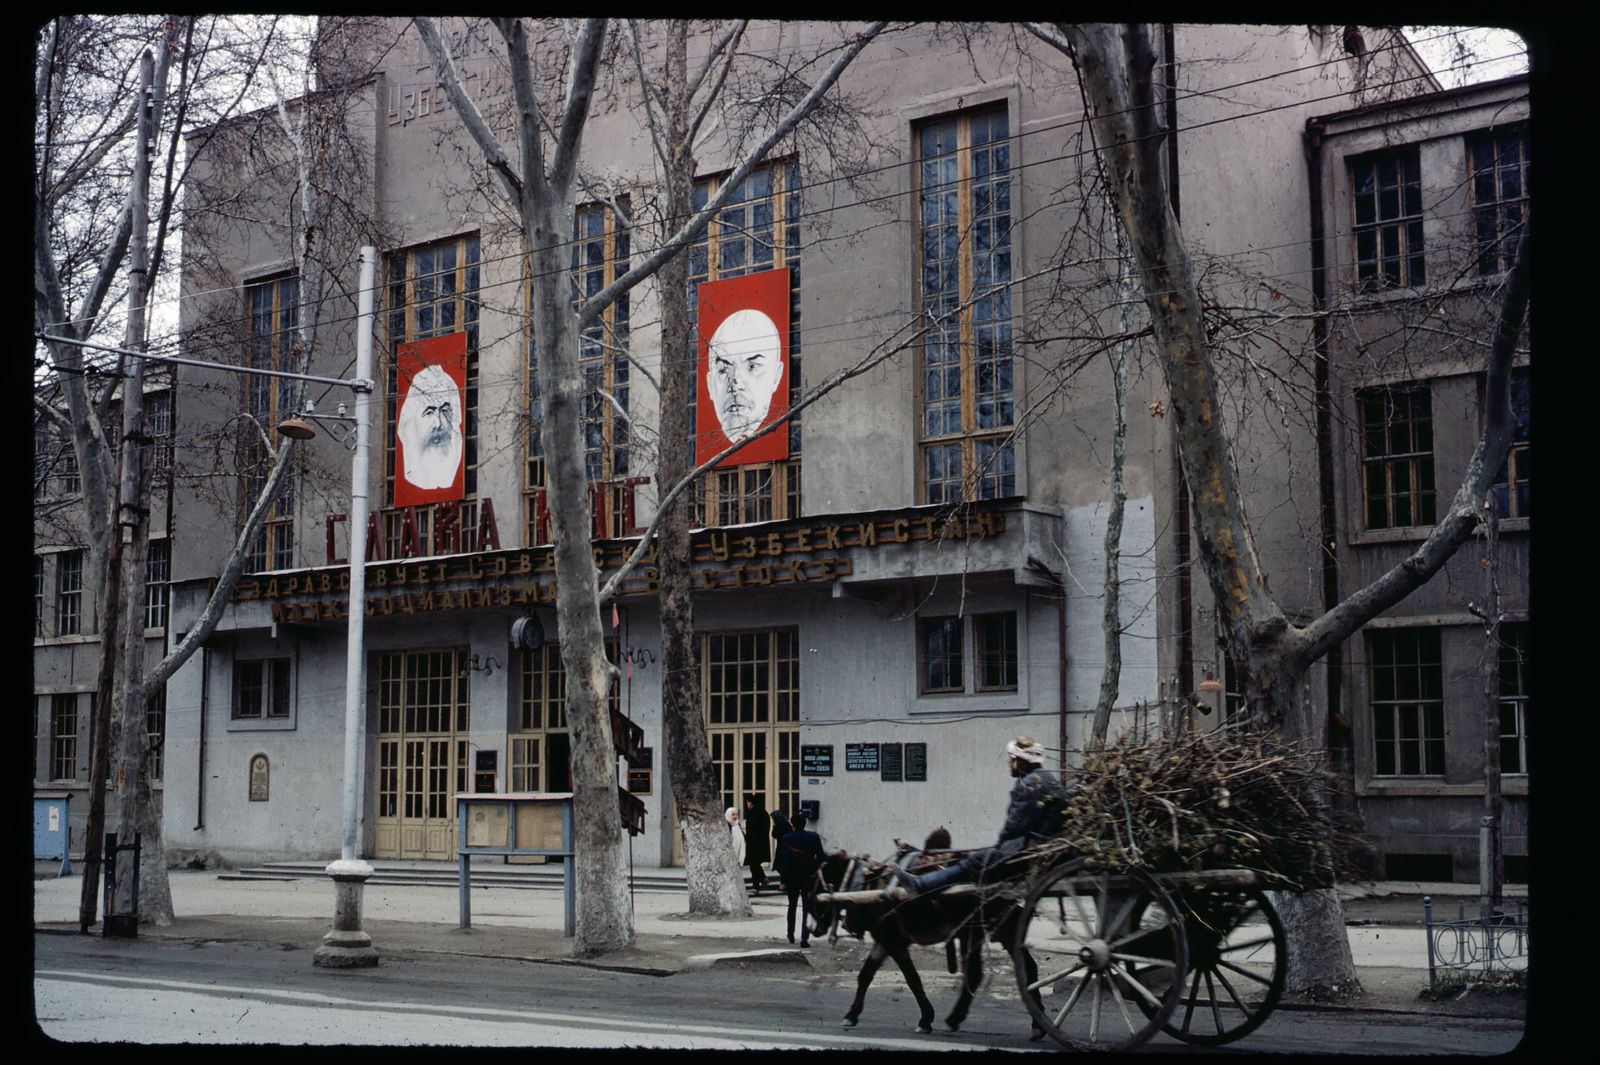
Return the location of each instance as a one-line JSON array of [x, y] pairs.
[[757, 844], [799, 857], [780, 828], [736, 835]]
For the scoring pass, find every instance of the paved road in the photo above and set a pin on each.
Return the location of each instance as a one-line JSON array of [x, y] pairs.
[[89, 989]]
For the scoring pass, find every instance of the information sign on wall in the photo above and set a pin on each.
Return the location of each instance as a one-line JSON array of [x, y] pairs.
[[861, 756], [816, 761], [916, 761], [891, 761]]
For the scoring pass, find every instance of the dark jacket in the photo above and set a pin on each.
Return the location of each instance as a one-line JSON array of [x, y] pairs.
[[757, 843], [1038, 806], [799, 855]]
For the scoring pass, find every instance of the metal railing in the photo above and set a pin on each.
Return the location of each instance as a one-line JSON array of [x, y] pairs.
[[1498, 942]]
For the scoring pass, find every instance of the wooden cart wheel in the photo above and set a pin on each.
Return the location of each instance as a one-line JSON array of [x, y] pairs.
[[1237, 964], [1092, 949]]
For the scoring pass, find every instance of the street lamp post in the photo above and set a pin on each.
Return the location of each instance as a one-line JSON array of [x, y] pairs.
[[347, 945]]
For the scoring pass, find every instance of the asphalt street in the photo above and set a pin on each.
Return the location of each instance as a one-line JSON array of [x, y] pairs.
[[236, 967]]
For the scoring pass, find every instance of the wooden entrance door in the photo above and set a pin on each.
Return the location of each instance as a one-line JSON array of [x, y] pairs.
[[422, 753]]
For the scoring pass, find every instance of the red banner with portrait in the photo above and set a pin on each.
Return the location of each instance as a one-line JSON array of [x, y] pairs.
[[430, 420], [742, 380]]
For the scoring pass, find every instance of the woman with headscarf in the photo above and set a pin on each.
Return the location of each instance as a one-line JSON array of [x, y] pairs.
[[736, 835]]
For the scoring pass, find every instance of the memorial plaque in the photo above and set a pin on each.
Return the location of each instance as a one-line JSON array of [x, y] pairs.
[[639, 781], [890, 764], [816, 761], [861, 756], [260, 778], [916, 761]]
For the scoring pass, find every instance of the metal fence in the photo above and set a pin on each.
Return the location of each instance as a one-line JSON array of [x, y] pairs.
[[1498, 942]]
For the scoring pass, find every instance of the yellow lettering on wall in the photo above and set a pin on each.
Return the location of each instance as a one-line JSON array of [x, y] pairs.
[[802, 539], [867, 534], [774, 544], [749, 545], [719, 546], [901, 530]]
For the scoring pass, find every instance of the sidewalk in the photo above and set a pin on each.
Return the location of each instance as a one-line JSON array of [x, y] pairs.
[[525, 923]]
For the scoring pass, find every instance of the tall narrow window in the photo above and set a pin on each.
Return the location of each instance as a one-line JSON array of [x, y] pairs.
[[1512, 488], [964, 222], [274, 319], [997, 651], [1407, 680], [38, 596], [158, 422], [433, 291], [158, 570], [1397, 456], [155, 729], [1388, 220], [1499, 197], [64, 737], [757, 229], [69, 593], [1514, 698], [941, 655]]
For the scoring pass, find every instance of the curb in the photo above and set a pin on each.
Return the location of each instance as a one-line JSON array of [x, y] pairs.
[[738, 958]]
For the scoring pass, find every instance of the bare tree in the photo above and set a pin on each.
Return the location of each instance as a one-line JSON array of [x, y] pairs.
[[85, 174], [1116, 63], [542, 184]]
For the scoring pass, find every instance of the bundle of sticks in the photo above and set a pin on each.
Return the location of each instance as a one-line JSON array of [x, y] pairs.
[[1201, 801]]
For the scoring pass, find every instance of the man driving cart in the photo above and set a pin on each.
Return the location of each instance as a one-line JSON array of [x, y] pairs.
[[1036, 811]]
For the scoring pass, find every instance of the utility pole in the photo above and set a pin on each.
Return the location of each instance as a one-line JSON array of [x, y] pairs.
[[133, 530]]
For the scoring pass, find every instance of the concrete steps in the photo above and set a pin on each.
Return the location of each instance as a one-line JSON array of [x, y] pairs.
[[486, 872]]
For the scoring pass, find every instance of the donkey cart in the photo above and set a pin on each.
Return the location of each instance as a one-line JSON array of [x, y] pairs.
[[1122, 955]]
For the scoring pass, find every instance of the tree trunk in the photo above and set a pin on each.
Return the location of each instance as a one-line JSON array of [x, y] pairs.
[[715, 880], [1491, 859], [155, 887], [100, 738], [1116, 64], [133, 527]]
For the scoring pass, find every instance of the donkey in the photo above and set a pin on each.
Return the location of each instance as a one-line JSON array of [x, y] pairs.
[[957, 919]]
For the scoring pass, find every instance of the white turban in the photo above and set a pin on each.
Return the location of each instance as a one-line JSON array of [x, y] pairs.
[[1025, 748]]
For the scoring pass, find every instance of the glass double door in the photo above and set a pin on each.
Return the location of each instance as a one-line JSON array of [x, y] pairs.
[[422, 752]]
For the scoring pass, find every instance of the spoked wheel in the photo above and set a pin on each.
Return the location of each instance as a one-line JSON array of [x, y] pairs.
[[1110, 952], [1236, 966]]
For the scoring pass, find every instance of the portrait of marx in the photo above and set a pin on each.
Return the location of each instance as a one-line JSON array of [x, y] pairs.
[[429, 427]]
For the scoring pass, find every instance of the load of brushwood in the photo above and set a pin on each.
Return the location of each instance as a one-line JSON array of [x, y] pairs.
[[1193, 801]]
